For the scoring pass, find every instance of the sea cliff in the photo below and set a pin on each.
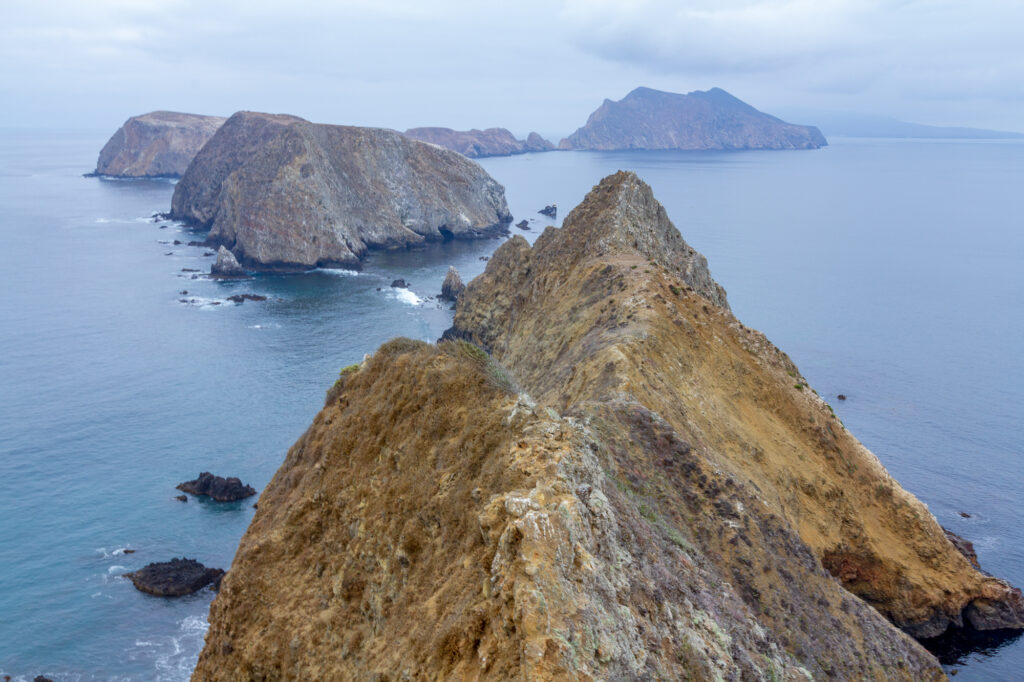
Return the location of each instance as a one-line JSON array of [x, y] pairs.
[[600, 474], [712, 119], [282, 193], [159, 144], [479, 143]]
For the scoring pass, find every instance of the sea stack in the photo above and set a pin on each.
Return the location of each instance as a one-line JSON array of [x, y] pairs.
[[479, 143], [600, 474], [712, 120], [285, 194], [160, 144]]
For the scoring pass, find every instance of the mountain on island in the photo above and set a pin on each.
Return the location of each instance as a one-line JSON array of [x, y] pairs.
[[283, 194], [600, 474], [160, 144], [712, 119], [478, 143]]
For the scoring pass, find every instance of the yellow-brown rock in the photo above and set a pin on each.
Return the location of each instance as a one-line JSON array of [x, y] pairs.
[[631, 485]]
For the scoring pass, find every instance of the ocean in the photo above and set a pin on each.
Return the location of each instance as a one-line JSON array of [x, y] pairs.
[[891, 271]]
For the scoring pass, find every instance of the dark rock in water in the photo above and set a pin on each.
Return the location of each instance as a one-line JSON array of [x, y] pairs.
[[129, 551], [965, 547], [160, 144], [190, 270], [400, 284], [965, 515], [209, 253], [286, 194], [183, 292], [227, 265], [177, 242], [181, 498], [651, 119], [841, 397], [452, 287], [550, 211], [478, 143], [523, 225], [174, 578], [217, 487], [242, 298], [196, 243], [485, 258], [169, 253], [38, 678]]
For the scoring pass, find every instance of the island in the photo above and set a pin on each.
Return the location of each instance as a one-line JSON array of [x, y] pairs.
[[599, 474], [283, 194], [700, 120], [160, 144], [479, 143]]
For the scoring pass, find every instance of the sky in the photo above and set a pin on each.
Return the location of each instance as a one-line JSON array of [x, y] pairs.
[[524, 65]]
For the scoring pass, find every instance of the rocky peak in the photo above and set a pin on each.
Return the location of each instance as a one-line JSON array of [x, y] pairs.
[[157, 144]]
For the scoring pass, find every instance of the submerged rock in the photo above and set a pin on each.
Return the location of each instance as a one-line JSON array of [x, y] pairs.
[[174, 578], [219, 488], [601, 474], [478, 143], [227, 265], [713, 119], [551, 210], [157, 144], [287, 194], [399, 284], [452, 287], [523, 225], [242, 298]]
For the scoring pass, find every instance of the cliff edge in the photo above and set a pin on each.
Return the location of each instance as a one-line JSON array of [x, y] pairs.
[[479, 143], [600, 474], [282, 193], [160, 144], [712, 119]]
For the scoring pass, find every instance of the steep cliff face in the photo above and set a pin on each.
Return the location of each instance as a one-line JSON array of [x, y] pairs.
[[712, 119], [157, 144], [632, 486], [478, 143], [283, 193]]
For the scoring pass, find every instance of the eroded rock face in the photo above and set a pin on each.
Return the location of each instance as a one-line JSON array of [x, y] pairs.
[[157, 144], [452, 287], [174, 578], [628, 487], [227, 265], [285, 194], [479, 143], [219, 488], [712, 119]]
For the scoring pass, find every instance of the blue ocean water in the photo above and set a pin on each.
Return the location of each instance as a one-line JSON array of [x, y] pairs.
[[891, 271]]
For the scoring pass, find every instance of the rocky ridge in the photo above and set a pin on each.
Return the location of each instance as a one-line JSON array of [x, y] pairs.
[[282, 193], [160, 144], [601, 474], [712, 119], [479, 143]]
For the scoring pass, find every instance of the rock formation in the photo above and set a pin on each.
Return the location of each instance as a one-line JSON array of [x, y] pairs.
[[477, 143], [285, 194], [452, 287], [227, 266], [160, 144], [174, 578], [712, 119], [600, 474], [219, 488]]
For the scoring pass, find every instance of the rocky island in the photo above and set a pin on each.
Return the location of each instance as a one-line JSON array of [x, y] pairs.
[[712, 119], [600, 474], [285, 194], [160, 144], [479, 143]]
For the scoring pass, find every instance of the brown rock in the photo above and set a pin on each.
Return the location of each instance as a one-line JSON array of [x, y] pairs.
[[174, 578], [157, 144], [452, 287]]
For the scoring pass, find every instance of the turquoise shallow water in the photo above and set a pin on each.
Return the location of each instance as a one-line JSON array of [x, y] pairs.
[[891, 271]]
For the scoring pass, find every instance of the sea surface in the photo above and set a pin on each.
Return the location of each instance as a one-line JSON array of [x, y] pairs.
[[890, 271]]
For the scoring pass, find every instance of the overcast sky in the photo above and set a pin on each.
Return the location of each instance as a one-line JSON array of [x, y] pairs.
[[525, 65]]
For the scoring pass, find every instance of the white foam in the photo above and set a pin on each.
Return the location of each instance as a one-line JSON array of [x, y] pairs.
[[115, 568], [338, 272], [408, 297], [272, 325]]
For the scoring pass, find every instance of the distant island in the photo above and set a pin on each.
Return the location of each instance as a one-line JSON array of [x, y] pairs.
[[712, 119], [849, 124], [478, 143], [159, 144], [285, 194]]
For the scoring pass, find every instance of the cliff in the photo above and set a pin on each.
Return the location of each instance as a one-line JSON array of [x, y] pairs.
[[477, 143], [712, 119], [160, 144], [285, 194], [630, 484]]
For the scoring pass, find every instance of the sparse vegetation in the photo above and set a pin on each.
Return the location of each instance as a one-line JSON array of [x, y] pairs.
[[497, 376]]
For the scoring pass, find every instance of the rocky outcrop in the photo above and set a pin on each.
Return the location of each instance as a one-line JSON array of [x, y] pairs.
[[219, 488], [285, 194], [174, 578], [600, 474], [452, 287], [227, 266], [160, 144], [712, 119], [479, 143]]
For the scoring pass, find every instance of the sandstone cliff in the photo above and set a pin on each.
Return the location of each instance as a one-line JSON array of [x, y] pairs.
[[630, 485], [712, 119], [478, 143], [160, 144], [283, 193]]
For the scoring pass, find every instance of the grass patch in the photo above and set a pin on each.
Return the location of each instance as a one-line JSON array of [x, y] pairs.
[[497, 376]]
